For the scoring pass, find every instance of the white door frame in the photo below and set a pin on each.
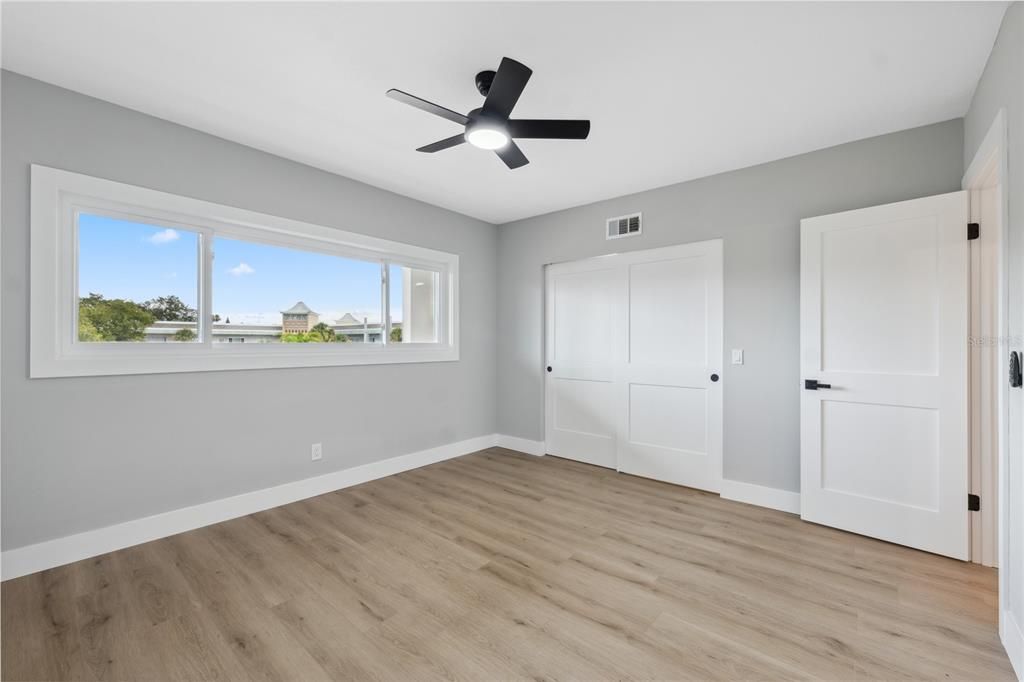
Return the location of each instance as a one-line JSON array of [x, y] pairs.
[[719, 426], [987, 169]]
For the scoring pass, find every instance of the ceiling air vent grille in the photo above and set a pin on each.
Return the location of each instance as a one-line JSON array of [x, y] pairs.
[[624, 226]]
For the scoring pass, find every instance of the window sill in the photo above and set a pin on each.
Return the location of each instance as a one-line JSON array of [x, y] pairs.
[[162, 360]]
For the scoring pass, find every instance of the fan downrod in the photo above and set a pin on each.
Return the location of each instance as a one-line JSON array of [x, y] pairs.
[[483, 82]]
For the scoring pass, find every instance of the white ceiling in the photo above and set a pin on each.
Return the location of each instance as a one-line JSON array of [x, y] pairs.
[[675, 91]]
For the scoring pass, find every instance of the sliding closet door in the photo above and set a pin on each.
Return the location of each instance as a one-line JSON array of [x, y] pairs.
[[585, 341], [670, 388], [633, 347]]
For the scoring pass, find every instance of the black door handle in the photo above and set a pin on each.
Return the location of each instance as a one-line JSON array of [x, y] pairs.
[[813, 385], [549, 368]]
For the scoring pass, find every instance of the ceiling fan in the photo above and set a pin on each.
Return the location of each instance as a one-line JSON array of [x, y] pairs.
[[490, 127]]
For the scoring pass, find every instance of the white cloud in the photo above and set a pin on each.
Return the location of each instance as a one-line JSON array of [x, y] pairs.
[[241, 269], [165, 237]]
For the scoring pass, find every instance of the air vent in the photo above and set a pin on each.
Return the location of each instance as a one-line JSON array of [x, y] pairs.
[[624, 226]]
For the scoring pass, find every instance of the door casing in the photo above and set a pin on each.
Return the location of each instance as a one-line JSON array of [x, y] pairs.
[[988, 171]]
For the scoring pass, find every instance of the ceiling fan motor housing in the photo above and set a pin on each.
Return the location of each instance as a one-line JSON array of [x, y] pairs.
[[478, 119], [483, 82]]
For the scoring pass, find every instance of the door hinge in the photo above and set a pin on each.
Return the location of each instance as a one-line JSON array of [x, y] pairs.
[[973, 231], [973, 503]]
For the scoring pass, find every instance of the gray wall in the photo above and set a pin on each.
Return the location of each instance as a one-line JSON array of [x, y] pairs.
[[757, 212], [83, 453], [1002, 86]]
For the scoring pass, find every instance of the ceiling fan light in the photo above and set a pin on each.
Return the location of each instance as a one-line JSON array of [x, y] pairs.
[[487, 137]]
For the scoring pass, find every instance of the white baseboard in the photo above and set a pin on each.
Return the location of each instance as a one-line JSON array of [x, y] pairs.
[[530, 447], [52, 553], [740, 491], [38, 557], [1013, 642], [762, 496], [751, 493]]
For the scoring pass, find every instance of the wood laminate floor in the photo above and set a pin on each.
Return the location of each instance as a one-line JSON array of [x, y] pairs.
[[499, 565]]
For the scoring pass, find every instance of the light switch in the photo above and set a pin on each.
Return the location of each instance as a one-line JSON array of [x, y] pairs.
[[737, 356]]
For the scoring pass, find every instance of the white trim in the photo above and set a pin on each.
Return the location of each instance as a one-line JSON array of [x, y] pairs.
[[1013, 642], [56, 195], [52, 553], [760, 495], [38, 557], [530, 447], [739, 491], [988, 168], [991, 158]]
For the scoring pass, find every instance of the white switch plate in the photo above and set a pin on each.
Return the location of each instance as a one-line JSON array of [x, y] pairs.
[[737, 356], [317, 451]]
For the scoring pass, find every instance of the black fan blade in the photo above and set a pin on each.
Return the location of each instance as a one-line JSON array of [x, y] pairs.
[[512, 155], [560, 130], [429, 107], [446, 143], [506, 88]]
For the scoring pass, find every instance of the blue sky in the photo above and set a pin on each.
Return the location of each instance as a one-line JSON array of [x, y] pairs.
[[251, 282]]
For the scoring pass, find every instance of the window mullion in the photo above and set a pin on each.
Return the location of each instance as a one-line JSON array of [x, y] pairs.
[[441, 306], [385, 283], [204, 317]]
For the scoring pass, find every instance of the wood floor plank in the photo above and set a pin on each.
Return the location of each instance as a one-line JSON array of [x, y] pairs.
[[259, 641], [711, 656], [500, 565]]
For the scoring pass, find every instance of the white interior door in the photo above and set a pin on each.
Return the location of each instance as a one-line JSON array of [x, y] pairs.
[[633, 346], [884, 327]]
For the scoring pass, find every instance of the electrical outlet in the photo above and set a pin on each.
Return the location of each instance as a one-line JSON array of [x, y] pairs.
[[317, 451]]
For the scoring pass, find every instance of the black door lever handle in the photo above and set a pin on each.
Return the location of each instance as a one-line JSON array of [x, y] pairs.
[[813, 385]]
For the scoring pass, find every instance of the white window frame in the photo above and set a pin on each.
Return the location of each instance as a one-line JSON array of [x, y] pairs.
[[54, 350]]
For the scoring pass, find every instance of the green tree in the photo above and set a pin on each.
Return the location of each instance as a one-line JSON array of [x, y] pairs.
[[87, 331], [396, 335], [171, 309], [112, 319], [295, 337], [184, 335], [321, 333]]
